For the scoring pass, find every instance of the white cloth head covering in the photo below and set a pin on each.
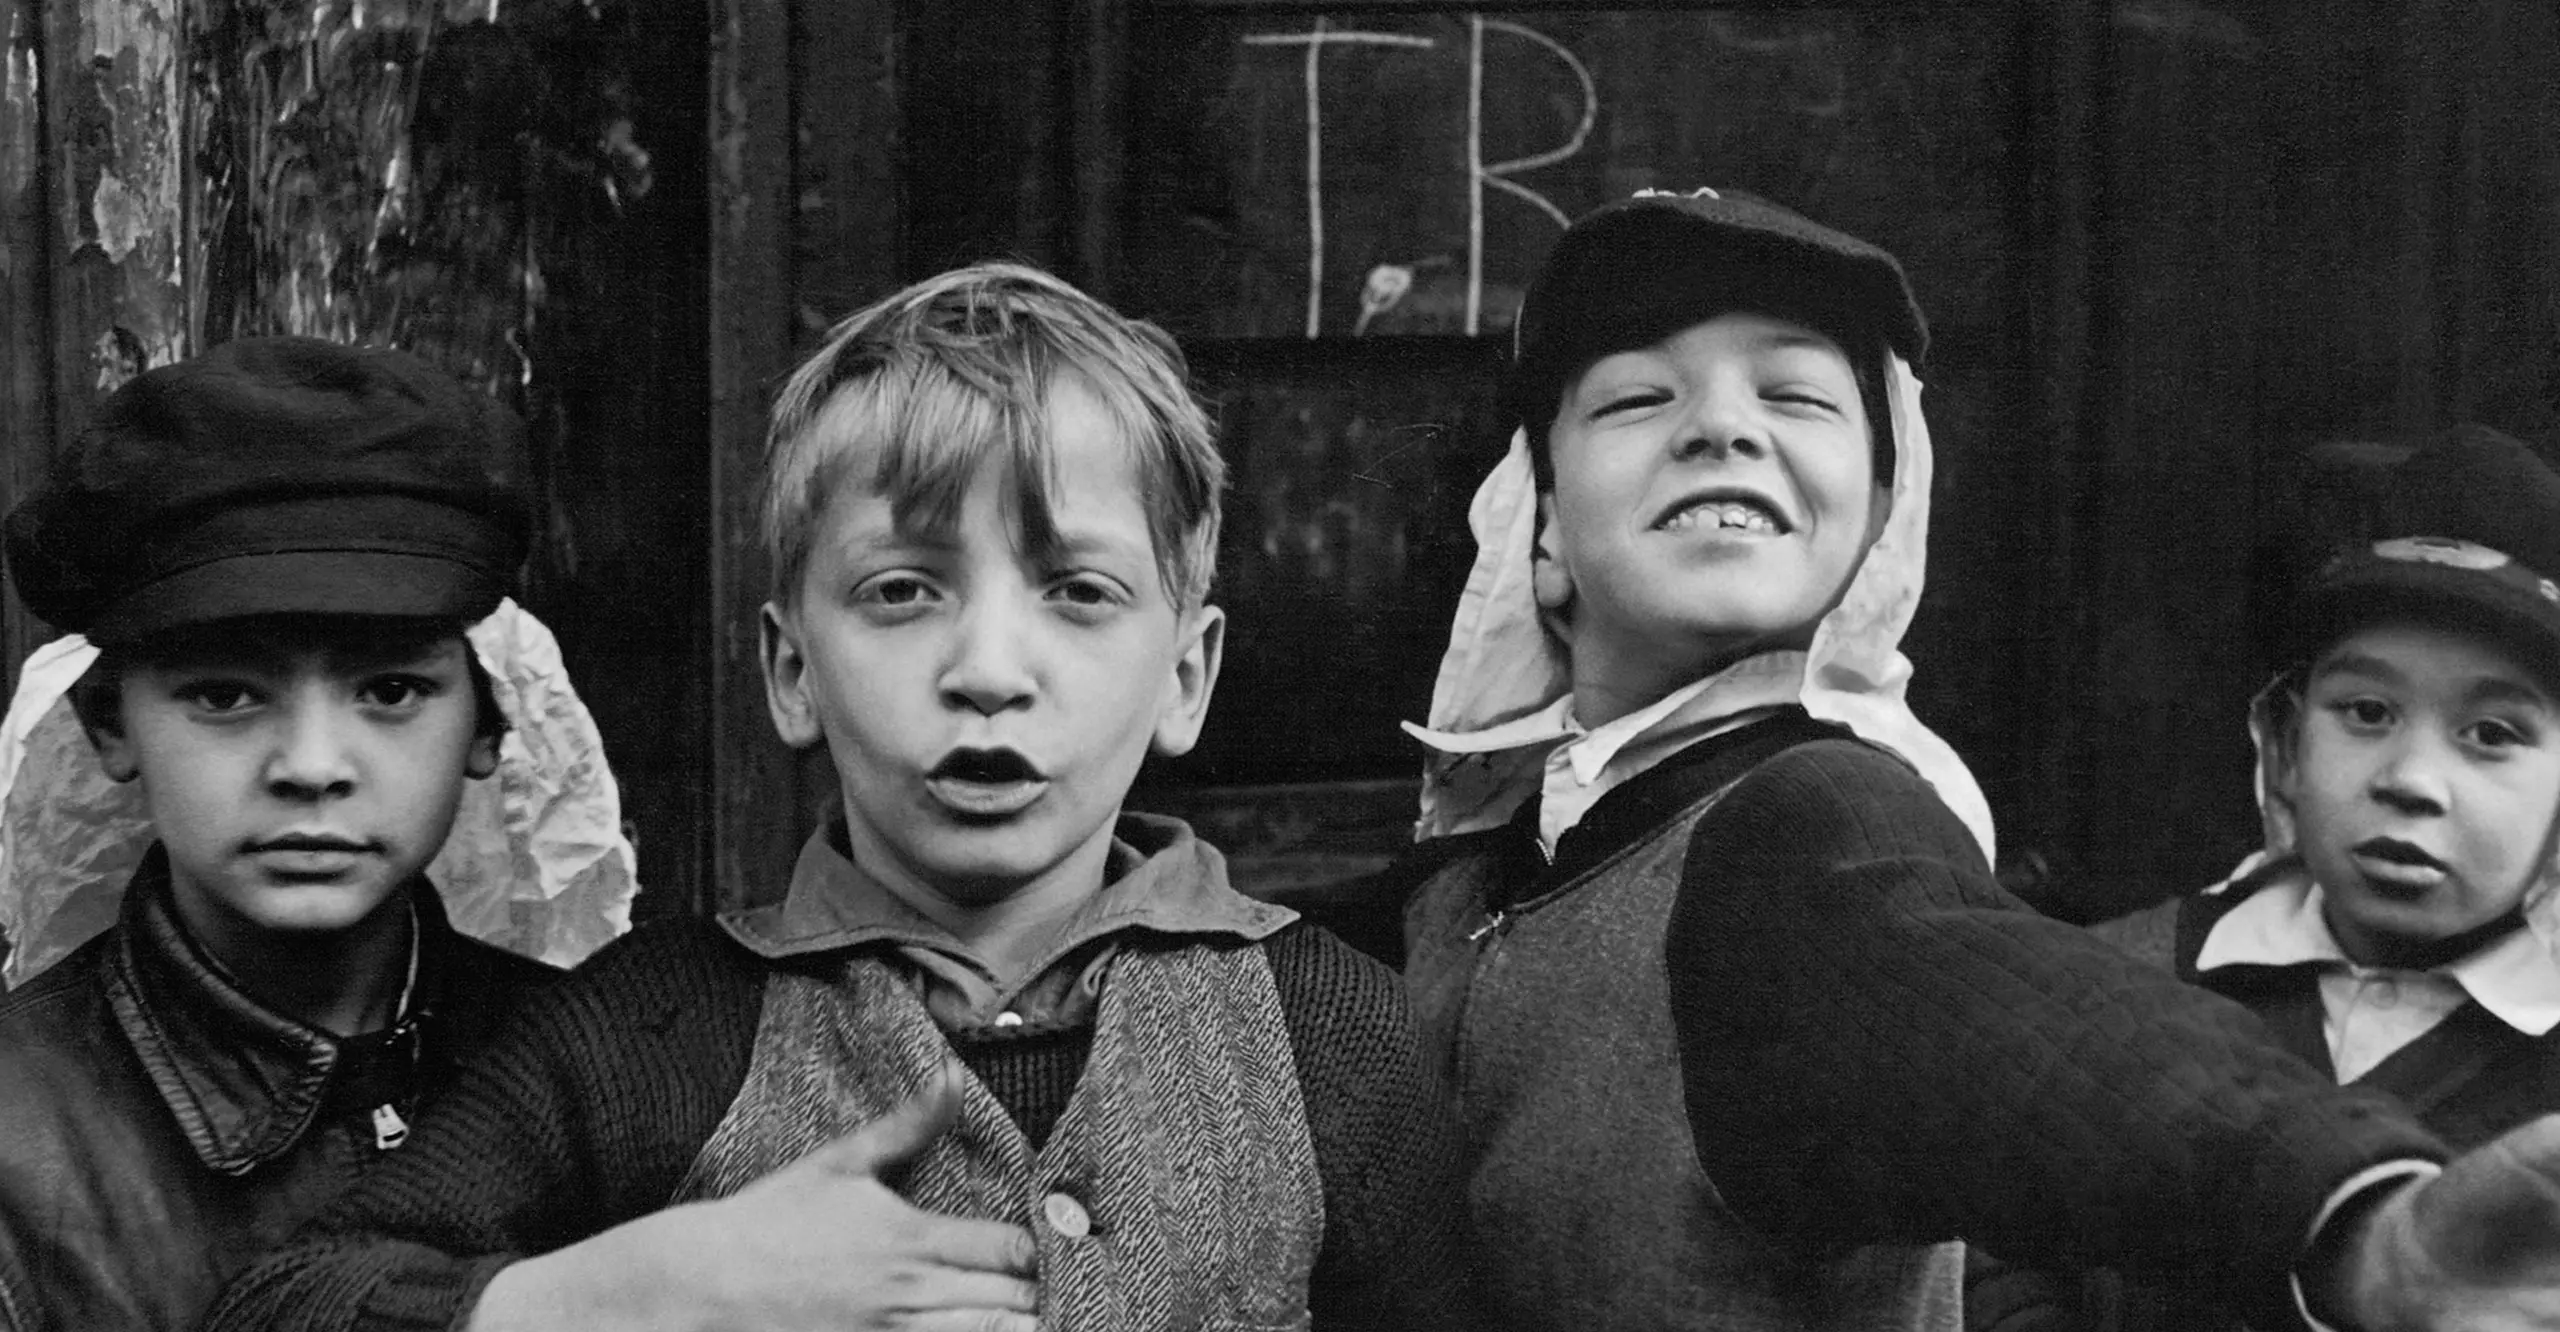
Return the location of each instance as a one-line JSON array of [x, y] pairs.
[[537, 861], [1504, 663]]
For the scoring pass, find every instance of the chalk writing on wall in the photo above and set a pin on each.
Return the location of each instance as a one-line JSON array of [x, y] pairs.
[[1370, 175], [1387, 284]]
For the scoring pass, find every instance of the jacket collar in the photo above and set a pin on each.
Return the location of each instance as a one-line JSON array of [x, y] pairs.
[[1160, 877], [245, 1082]]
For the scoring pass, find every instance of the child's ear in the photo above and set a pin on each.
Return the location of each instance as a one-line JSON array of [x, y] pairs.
[[1195, 677], [483, 758], [1549, 580], [786, 679], [115, 751], [97, 703]]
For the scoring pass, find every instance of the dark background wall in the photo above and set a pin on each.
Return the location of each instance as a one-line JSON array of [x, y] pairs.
[[2170, 248]]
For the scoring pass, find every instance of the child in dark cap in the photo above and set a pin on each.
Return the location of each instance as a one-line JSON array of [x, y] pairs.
[[992, 506], [2396, 929], [1705, 933], [276, 548]]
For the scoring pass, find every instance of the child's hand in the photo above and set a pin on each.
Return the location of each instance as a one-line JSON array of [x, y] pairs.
[[2477, 1248], [821, 1243]]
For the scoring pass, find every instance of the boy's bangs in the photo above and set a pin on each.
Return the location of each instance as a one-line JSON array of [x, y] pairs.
[[939, 426]]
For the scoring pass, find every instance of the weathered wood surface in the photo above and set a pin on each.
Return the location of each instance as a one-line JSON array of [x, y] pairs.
[[755, 784], [26, 290]]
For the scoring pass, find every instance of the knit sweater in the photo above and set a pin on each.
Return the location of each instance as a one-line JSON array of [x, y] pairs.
[[593, 1108], [1584, 1185], [1876, 1044], [2469, 1079]]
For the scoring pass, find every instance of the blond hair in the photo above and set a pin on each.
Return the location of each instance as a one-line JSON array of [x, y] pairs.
[[956, 370]]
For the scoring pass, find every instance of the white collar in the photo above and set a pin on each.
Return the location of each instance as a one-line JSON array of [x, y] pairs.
[[2282, 925], [1594, 747]]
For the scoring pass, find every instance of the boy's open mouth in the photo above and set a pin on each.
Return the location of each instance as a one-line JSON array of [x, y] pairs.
[[2389, 863], [1724, 511], [985, 783]]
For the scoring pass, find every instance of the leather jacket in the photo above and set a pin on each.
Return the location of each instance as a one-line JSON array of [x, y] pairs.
[[159, 1128]]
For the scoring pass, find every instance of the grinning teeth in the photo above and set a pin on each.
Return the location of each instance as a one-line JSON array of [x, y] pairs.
[[1728, 515]]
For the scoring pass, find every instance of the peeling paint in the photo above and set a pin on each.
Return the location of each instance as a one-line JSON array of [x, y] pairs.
[[119, 356], [127, 181], [114, 26], [21, 96], [123, 216]]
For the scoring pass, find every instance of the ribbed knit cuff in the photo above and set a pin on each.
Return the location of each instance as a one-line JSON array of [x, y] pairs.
[[409, 1286]]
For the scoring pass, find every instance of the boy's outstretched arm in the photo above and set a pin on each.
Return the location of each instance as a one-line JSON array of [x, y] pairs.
[[1877, 1044], [581, 1118]]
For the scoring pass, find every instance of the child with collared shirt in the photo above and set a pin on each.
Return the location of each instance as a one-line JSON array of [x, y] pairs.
[[991, 505], [1703, 928], [278, 553], [2396, 929]]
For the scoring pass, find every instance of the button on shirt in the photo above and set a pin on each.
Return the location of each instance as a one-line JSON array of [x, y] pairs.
[[2369, 1013]]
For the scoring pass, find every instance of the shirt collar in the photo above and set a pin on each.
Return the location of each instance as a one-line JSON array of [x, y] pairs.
[[2281, 925], [1581, 765], [1160, 876], [1741, 693]]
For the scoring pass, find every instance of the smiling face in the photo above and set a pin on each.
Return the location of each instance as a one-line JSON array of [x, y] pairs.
[[988, 701], [298, 773], [1713, 494], [2424, 777]]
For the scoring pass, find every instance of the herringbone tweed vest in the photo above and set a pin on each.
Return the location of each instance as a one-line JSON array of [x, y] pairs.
[[1178, 1191], [1585, 1195]]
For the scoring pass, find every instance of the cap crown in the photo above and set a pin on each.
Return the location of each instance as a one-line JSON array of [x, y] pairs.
[[368, 463]]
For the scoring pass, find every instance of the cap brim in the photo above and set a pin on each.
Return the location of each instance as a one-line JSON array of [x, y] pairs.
[[2509, 606], [331, 582]]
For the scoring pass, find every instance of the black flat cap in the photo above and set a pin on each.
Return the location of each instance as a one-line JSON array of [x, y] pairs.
[[1637, 271], [277, 475]]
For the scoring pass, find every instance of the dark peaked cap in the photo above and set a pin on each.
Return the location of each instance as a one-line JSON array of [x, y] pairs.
[[2468, 534]]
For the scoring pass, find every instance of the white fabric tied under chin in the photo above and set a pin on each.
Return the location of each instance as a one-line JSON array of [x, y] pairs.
[[537, 861], [1503, 663]]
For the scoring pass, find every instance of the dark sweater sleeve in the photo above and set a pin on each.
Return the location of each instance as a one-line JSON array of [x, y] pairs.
[[1878, 1044], [1393, 1256], [583, 1113]]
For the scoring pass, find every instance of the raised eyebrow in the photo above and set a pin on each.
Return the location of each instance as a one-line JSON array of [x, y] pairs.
[[1090, 545], [370, 659], [1833, 363], [1799, 342], [2358, 664], [935, 539], [2497, 689]]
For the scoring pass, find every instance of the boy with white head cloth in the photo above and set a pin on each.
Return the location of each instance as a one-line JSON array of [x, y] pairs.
[[1705, 935], [299, 759]]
